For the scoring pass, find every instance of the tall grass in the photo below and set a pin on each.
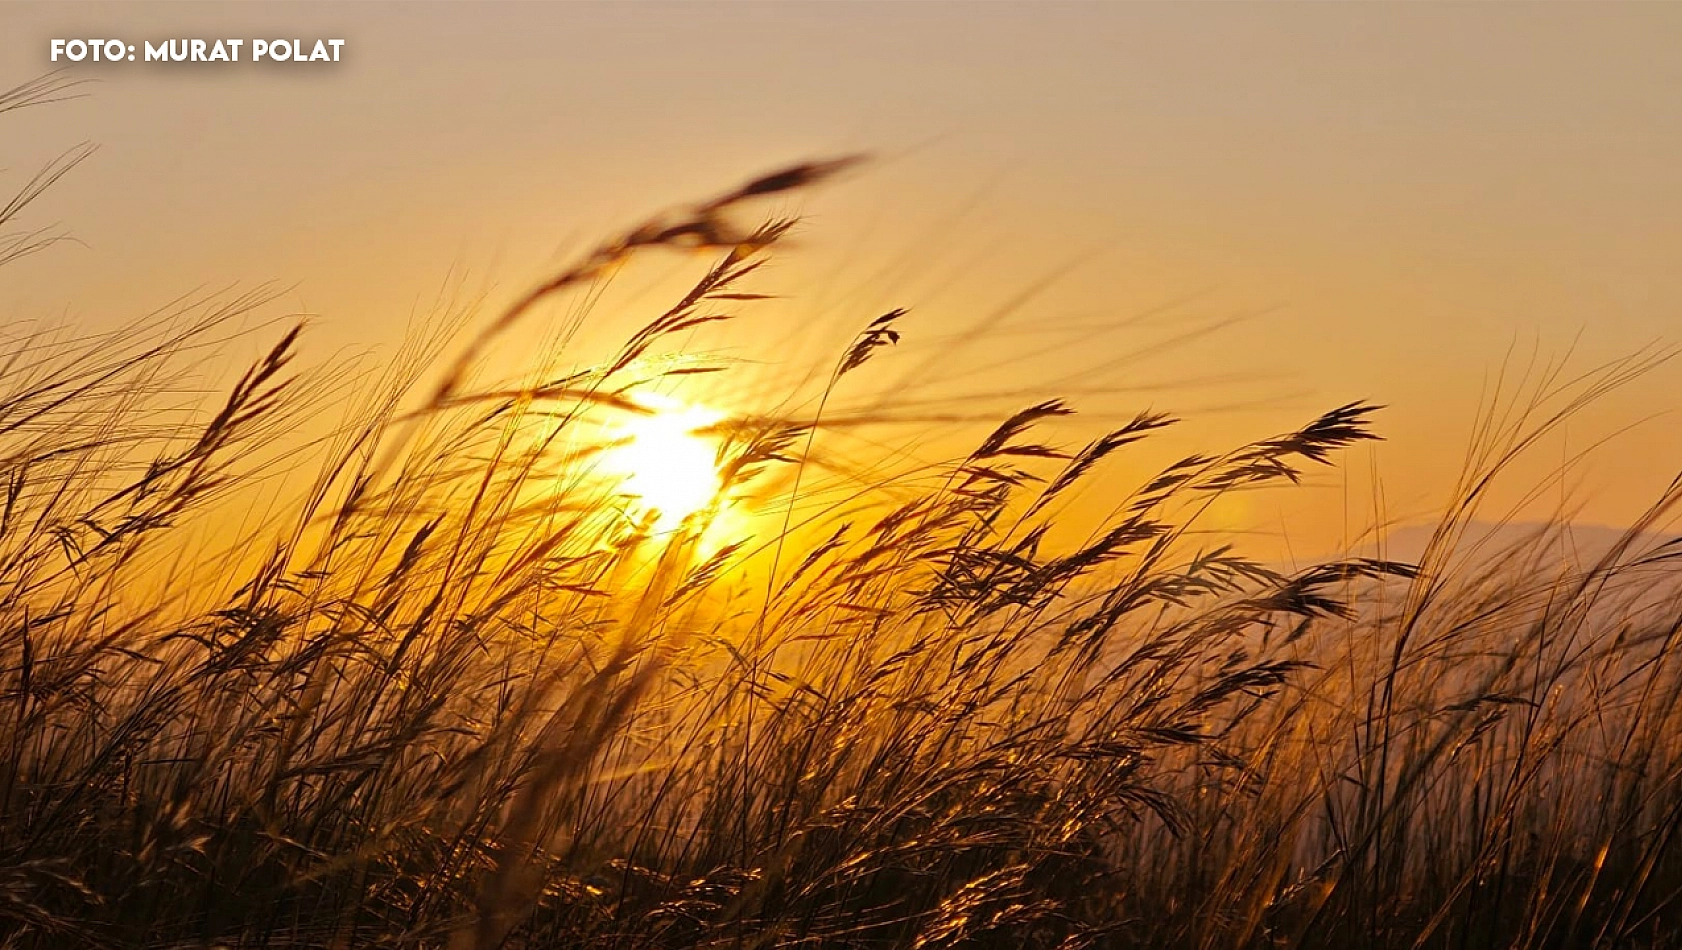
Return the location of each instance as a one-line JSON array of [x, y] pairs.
[[463, 695]]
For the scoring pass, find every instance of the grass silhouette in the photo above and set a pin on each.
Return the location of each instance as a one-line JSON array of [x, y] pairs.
[[464, 695]]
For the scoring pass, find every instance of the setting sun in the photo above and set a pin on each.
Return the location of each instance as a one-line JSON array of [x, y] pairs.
[[664, 463]]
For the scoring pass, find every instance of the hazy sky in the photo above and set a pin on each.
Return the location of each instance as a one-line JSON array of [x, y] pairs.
[[1391, 196]]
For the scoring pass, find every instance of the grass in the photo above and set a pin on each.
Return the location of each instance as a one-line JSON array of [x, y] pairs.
[[457, 694]]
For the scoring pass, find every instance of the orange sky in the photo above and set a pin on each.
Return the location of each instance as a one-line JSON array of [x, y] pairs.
[[1391, 197]]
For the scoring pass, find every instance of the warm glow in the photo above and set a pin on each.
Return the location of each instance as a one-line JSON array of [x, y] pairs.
[[663, 463]]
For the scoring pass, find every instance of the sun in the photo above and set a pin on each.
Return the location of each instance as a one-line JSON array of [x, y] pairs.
[[663, 462]]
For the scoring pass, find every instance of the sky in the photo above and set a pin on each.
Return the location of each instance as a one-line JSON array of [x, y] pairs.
[[1244, 213]]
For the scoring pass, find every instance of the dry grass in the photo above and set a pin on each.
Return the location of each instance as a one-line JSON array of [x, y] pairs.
[[461, 699]]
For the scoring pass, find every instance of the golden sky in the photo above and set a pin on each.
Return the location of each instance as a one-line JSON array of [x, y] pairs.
[[1385, 201]]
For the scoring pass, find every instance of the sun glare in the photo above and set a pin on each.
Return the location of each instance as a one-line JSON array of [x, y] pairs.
[[663, 463]]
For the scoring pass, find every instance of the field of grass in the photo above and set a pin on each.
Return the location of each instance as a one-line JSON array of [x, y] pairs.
[[454, 690]]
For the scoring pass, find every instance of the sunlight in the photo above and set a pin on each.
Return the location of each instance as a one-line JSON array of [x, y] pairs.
[[663, 463]]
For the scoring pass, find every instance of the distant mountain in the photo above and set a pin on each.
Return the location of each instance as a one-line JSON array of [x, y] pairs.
[[1530, 557], [1579, 544]]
